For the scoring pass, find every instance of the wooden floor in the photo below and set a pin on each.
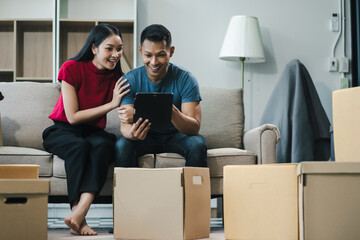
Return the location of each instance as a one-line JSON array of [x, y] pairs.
[[103, 234]]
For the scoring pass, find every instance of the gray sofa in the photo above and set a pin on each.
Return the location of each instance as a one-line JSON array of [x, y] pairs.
[[24, 115]]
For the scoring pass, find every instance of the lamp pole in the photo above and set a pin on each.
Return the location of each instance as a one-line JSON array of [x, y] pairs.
[[242, 60]]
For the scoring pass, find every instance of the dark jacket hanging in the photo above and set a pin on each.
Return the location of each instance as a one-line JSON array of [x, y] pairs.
[[295, 108]]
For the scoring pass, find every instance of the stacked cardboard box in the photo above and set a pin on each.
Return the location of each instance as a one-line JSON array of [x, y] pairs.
[[310, 200], [346, 118], [166, 203], [329, 200], [23, 203], [19, 171]]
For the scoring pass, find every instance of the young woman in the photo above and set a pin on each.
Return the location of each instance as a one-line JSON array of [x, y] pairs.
[[91, 86]]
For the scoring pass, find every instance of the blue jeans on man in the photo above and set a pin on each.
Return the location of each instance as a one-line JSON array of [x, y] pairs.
[[192, 148]]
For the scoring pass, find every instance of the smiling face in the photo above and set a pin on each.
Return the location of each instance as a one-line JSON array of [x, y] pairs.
[[156, 57], [108, 53]]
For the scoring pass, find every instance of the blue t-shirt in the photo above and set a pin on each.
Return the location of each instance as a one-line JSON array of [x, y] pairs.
[[178, 81]]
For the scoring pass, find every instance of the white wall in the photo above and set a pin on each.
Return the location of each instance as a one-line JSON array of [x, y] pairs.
[[24, 9], [290, 29], [91, 10]]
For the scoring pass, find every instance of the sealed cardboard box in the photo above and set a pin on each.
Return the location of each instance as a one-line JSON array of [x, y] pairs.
[[23, 209], [162, 203], [261, 202], [329, 200], [346, 118], [19, 171]]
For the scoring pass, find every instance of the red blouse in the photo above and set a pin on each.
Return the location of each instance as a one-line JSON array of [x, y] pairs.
[[94, 88]]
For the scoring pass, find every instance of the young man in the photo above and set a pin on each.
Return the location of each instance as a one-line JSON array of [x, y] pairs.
[[159, 75]]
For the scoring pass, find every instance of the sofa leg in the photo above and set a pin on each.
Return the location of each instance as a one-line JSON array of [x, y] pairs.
[[220, 208]]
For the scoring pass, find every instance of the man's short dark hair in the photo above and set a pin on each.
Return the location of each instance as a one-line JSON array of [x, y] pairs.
[[156, 33]]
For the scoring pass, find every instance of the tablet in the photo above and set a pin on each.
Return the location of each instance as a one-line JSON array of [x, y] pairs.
[[157, 107]]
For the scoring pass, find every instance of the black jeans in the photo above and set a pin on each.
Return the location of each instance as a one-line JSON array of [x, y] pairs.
[[87, 153]]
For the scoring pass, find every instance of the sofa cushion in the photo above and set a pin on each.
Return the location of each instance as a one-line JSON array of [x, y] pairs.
[[59, 167], [222, 123], [217, 159], [22, 155], [147, 161], [113, 123], [168, 160], [25, 110]]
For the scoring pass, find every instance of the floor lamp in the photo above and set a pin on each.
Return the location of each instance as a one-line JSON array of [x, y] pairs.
[[243, 42]]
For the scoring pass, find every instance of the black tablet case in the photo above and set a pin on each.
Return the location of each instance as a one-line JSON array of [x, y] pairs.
[[157, 107]]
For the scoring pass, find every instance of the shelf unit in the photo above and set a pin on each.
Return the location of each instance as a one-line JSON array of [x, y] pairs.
[[77, 17], [73, 34], [34, 44], [26, 50], [7, 50], [34, 53]]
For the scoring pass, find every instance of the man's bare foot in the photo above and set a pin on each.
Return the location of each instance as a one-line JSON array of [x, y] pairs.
[[83, 230]]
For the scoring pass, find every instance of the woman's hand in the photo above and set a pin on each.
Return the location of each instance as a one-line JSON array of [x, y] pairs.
[[119, 92], [126, 113]]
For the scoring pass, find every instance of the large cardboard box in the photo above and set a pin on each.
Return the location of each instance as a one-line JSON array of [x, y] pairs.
[[162, 203], [329, 200], [23, 209], [346, 118], [261, 202], [19, 171]]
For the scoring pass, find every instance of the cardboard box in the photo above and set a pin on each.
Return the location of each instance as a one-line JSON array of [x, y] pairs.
[[19, 171], [23, 209], [162, 203], [261, 202], [346, 118], [329, 200]]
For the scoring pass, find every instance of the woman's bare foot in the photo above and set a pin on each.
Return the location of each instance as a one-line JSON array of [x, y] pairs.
[[76, 217], [71, 223], [86, 230], [83, 230], [79, 210], [73, 232]]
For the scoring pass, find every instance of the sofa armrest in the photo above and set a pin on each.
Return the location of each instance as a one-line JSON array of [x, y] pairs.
[[262, 141]]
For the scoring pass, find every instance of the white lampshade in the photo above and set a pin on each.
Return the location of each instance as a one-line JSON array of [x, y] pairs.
[[243, 39]]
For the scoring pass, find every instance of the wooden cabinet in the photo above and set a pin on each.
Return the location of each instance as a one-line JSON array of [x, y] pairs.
[[38, 36]]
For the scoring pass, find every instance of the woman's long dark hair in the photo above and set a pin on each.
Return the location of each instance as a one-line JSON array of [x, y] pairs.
[[96, 36]]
